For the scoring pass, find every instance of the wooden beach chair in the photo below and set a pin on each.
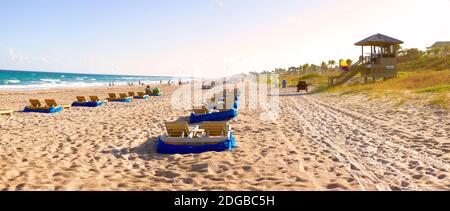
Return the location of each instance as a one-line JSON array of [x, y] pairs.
[[81, 99], [200, 110], [112, 96], [36, 104], [123, 96], [141, 94], [181, 130], [216, 129], [177, 129], [131, 94], [7, 113], [52, 103], [97, 99]]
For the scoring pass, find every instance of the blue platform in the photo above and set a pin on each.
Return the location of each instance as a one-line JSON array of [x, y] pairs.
[[164, 148], [50, 110], [141, 98], [128, 100], [213, 117], [155, 95], [87, 104]]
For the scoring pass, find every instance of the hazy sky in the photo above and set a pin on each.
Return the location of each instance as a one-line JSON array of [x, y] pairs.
[[214, 37]]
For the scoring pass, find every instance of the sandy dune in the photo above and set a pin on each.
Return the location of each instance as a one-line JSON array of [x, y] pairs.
[[317, 143]]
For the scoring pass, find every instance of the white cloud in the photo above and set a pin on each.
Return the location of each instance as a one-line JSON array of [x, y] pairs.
[[16, 57]]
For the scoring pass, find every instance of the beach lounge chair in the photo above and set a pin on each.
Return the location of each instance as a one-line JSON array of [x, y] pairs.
[[200, 110], [216, 129], [35, 103], [131, 94], [7, 113], [123, 98], [112, 96], [180, 139], [180, 130], [52, 103], [222, 115], [82, 102], [141, 95], [81, 99], [96, 99], [36, 106]]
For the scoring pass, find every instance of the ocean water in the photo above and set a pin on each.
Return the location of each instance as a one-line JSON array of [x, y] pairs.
[[30, 80]]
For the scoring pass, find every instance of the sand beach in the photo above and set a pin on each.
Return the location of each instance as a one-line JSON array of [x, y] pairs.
[[318, 142]]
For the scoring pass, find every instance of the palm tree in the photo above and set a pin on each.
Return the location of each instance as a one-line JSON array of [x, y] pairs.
[[324, 66], [305, 67], [349, 62], [332, 63]]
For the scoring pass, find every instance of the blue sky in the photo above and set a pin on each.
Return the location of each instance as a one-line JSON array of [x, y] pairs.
[[182, 37]]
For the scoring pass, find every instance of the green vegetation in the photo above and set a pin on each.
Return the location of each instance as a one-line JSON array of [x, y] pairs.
[[309, 76], [421, 74], [433, 85], [415, 60], [435, 89]]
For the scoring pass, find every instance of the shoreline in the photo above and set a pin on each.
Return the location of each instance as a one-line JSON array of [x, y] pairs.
[[17, 100], [94, 85]]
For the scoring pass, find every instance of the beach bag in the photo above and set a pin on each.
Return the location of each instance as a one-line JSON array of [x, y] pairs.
[[156, 91]]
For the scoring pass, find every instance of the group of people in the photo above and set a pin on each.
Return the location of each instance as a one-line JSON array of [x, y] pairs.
[[170, 82]]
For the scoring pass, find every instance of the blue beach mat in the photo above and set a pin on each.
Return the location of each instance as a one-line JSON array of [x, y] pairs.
[[213, 117], [128, 100], [163, 148], [155, 95], [50, 110], [87, 104], [141, 97]]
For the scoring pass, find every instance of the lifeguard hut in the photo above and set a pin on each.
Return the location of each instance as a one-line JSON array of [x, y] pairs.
[[380, 63]]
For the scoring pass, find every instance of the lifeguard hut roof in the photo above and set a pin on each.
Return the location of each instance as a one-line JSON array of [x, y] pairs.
[[379, 40]]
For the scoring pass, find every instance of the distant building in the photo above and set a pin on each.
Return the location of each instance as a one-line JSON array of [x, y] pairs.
[[440, 44], [444, 47]]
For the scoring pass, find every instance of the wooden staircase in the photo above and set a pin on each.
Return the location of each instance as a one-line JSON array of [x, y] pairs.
[[347, 75]]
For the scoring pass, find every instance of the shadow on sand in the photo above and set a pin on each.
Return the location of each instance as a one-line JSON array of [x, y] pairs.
[[146, 151]]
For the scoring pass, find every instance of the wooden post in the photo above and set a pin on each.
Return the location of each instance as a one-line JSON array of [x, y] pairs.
[[362, 53]]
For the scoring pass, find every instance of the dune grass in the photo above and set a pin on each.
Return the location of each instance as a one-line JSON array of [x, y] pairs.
[[434, 83], [311, 78], [420, 82], [435, 89], [442, 100], [407, 87]]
